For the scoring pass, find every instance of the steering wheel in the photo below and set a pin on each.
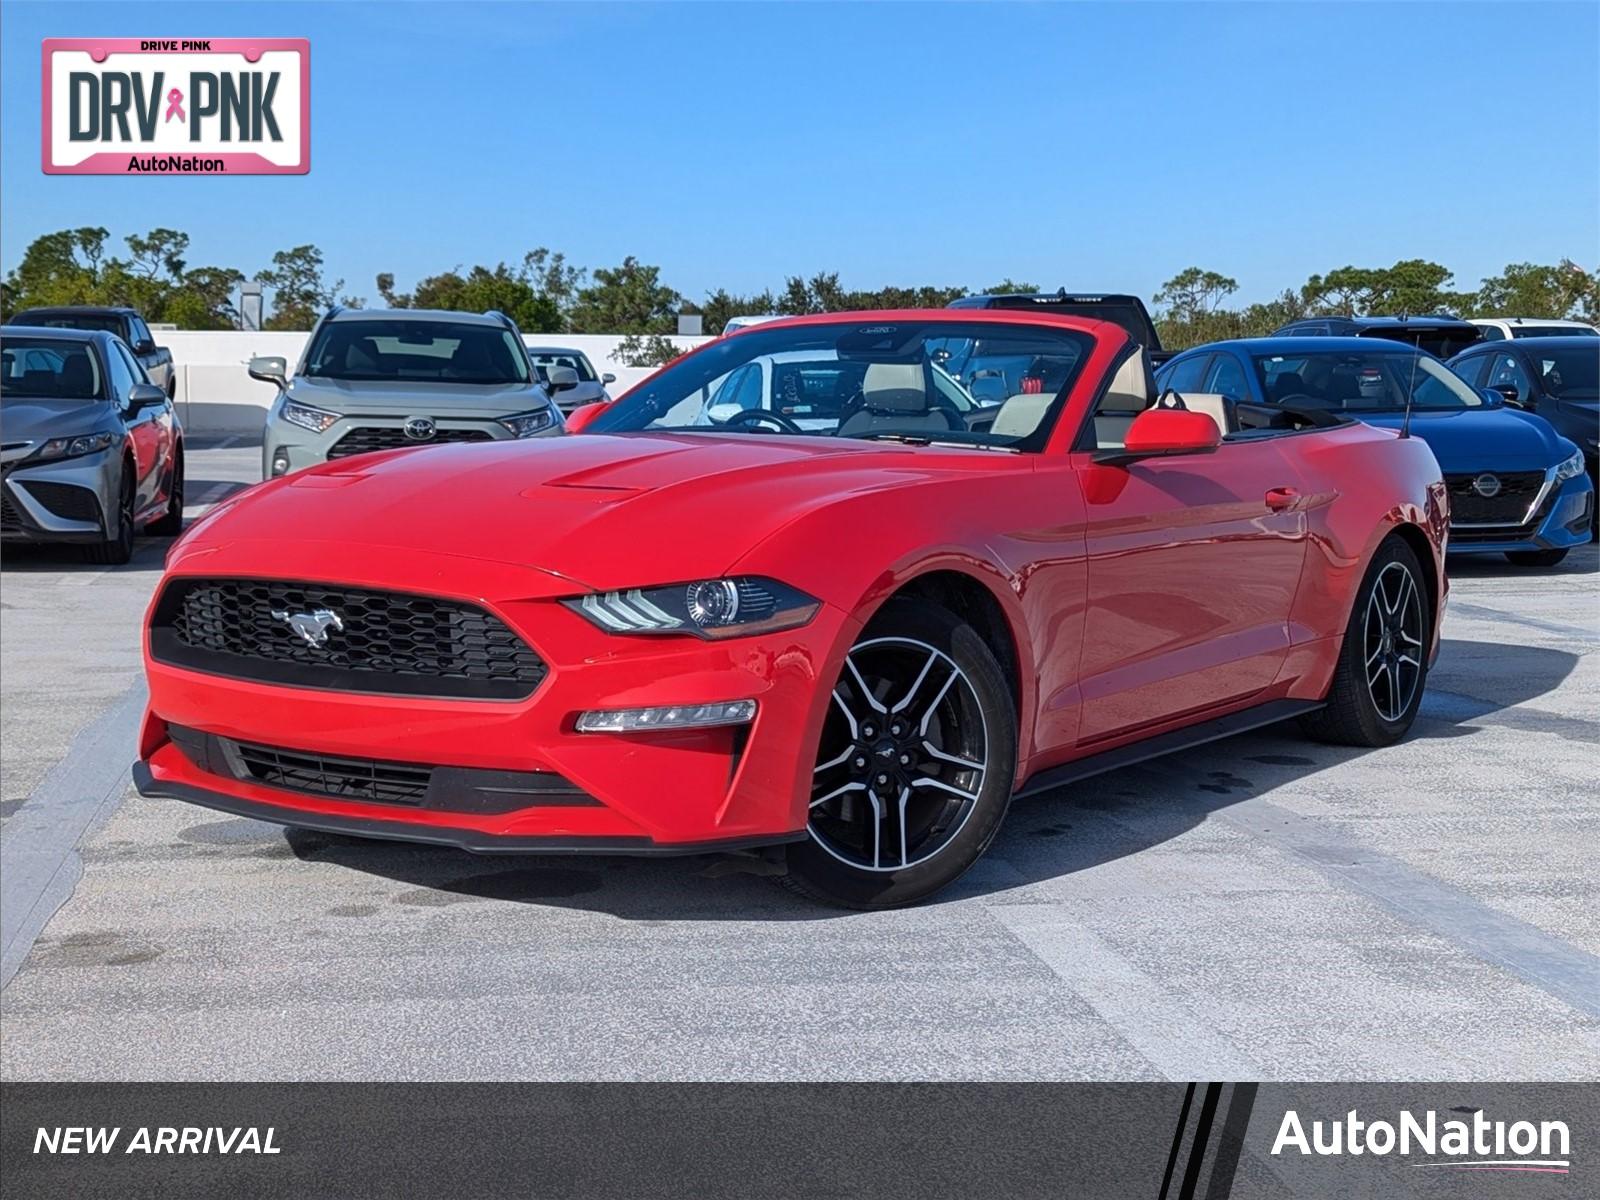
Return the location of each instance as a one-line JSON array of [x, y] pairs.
[[755, 416]]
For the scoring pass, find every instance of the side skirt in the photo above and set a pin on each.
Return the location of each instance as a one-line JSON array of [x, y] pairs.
[[1179, 739]]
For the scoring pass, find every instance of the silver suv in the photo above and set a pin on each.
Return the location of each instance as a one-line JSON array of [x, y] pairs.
[[382, 379]]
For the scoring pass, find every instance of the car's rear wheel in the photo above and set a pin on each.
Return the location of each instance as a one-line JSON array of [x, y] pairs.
[[118, 546], [1535, 558], [915, 767], [170, 524], [1383, 663]]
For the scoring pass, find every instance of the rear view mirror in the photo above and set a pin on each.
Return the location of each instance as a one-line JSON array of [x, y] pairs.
[[582, 417], [270, 368], [562, 378], [1163, 433]]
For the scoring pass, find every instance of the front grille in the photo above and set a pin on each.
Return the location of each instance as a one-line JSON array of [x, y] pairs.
[[374, 781], [67, 501], [377, 437], [1508, 506], [374, 641], [340, 778], [10, 518]]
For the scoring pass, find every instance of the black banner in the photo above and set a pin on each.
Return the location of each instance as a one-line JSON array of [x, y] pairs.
[[922, 1141]]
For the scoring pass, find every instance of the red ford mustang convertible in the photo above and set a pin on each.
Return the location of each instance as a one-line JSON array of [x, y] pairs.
[[798, 591]]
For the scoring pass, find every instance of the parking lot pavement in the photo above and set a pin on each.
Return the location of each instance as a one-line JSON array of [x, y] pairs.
[[1263, 907]]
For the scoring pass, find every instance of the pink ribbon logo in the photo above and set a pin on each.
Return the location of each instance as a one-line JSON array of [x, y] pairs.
[[175, 105]]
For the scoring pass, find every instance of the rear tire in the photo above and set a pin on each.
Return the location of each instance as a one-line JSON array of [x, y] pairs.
[[170, 524], [1535, 558], [1383, 663], [915, 765], [118, 546]]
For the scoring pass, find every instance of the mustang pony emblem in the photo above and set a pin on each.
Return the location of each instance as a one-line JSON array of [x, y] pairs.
[[312, 627]]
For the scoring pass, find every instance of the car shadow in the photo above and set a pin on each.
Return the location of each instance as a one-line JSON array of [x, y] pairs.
[[26, 558], [1046, 836], [1580, 560]]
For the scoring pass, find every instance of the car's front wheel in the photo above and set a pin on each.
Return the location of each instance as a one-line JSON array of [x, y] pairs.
[[1535, 558], [170, 523], [915, 767], [118, 545]]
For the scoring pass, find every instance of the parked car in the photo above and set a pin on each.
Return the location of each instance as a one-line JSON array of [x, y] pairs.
[[126, 323], [735, 324], [1555, 377], [380, 379], [1120, 309], [570, 377], [1517, 487], [90, 449], [845, 649], [1440, 335], [1500, 329]]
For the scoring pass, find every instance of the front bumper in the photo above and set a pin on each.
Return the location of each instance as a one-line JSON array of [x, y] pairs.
[[677, 791], [62, 501], [1562, 518]]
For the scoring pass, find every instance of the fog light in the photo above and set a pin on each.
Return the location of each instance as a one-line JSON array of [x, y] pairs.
[[280, 462], [673, 716]]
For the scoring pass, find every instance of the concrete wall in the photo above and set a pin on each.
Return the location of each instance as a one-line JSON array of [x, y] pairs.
[[216, 397]]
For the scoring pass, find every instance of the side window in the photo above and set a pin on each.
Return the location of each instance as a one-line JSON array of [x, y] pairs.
[[1184, 376], [122, 373], [1226, 377], [140, 375], [1493, 333], [1508, 372], [741, 390], [1471, 369]]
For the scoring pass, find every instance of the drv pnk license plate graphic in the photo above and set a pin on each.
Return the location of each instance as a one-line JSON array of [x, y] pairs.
[[170, 106]]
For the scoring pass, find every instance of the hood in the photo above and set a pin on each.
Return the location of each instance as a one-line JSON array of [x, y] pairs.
[[387, 398], [600, 511], [24, 420], [1482, 439]]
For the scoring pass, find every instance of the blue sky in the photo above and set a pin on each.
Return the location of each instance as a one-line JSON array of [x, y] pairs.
[[1090, 145]]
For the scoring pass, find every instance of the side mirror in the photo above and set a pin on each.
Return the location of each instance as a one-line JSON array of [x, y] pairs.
[[1508, 392], [1492, 397], [145, 347], [270, 368], [608, 377], [145, 395], [583, 417], [562, 378], [1164, 433]]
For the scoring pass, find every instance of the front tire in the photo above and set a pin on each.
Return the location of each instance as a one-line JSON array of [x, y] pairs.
[[170, 523], [1383, 663], [118, 546], [915, 766], [1535, 558]]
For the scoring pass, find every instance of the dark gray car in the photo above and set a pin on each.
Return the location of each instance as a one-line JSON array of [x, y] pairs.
[[90, 449]]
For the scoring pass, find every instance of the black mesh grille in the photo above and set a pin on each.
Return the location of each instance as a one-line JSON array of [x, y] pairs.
[[341, 778], [10, 518], [373, 641], [369, 438], [1507, 506], [66, 501]]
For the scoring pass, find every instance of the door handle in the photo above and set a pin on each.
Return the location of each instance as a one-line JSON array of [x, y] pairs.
[[1280, 498]]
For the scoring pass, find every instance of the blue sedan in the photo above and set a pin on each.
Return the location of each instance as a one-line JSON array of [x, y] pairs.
[[1517, 487]]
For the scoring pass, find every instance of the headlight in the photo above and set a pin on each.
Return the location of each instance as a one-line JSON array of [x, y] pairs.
[[318, 420], [707, 608], [529, 423], [74, 447], [1571, 468]]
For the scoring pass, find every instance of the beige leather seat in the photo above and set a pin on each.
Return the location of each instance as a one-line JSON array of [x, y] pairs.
[[1127, 397], [1216, 406], [894, 396]]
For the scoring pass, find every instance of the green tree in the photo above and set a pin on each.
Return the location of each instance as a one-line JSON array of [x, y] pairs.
[[1563, 291], [300, 291], [629, 298], [1193, 294], [504, 289], [646, 350], [721, 306], [1010, 287]]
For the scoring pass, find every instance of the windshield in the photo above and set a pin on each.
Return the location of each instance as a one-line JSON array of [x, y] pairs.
[[44, 369], [578, 361], [861, 380], [1568, 372], [1362, 382], [1445, 342], [95, 322], [409, 351]]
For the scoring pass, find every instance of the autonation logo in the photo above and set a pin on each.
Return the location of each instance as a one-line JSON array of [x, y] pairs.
[[1478, 1144], [170, 106]]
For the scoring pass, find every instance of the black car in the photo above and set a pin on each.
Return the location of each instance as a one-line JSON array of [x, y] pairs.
[[1440, 335], [126, 323], [1118, 308], [1556, 377]]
